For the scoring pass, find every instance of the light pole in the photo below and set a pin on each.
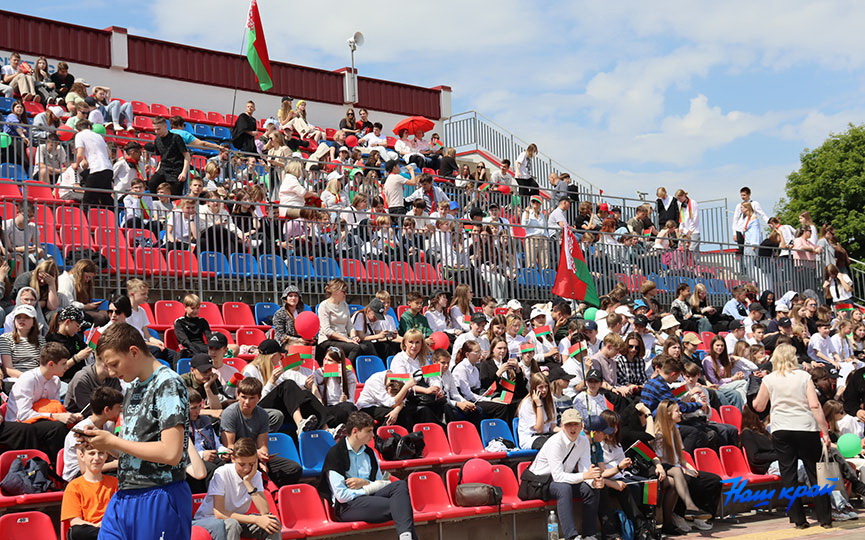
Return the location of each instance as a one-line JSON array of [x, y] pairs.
[[354, 42]]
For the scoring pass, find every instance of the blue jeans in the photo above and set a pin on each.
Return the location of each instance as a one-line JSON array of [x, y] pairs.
[[565, 495], [213, 525]]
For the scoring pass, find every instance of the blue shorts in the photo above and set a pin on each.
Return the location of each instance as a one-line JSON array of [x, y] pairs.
[[154, 513]]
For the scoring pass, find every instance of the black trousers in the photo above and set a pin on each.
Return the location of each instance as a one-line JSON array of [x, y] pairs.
[[98, 180], [350, 349], [289, 397], [390, 503], [161, 176], [693, 437], [791, 446], [83, 532], [528, 186], [594, 502], [47, 435], [740, 242], [283, 471], [339, 412], [379, 413], [705, 490]]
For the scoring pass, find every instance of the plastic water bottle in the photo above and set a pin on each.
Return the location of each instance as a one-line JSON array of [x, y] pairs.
[[552, 526]]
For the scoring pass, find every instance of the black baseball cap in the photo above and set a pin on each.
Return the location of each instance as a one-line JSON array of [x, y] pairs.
[[735, 325], [201, 362], [641, 320], [479, 318], [377, 308], [270, 346], [596, 423], [785, 322], [594, 375], [217, 341]]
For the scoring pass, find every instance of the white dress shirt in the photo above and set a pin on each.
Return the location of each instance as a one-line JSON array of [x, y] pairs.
[[30, 387], [374, 393], [564, 459]]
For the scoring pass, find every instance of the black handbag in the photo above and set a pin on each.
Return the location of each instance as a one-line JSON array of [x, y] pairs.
[[534, 486], [398, 447]]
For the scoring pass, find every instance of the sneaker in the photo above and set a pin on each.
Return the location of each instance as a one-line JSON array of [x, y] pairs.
[[335, 431], [702, 525], [839, 516], [306, 424], [680, 523], [852, 514]]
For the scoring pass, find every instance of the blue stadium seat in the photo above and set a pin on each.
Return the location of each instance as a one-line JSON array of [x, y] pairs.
[[327, 268], [313, 447], [389, 360], [222, 133], [515, 428], [6, 105], [354, 308], [183, 366], [282, 444], [300, 267], [366, 365], [529, 277], [203, 131], [13, 171], [244, 265], [548, 277], [272, 266], [264, 310], [54, 252], [213, 261], [493, 428]]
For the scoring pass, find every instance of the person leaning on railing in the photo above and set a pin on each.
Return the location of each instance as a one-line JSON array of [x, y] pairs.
[[16, 152]]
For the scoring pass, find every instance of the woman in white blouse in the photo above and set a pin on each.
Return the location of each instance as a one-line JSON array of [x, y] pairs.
[[336, 391], [335, 328], [537, 414], [461, 306], [439, 317], [291, 191], [535, 223]]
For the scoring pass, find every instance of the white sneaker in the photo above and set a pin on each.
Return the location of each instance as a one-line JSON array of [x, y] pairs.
[[335, 431], [304, 423], [839, 516], [852, 514], [702, 524], [680, 523]]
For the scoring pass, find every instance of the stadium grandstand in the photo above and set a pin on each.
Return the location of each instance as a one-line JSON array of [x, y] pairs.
[[239, 223]]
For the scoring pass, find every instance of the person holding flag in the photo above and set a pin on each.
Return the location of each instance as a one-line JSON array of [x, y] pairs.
[[495, 401], [498, 366], [384, 398], [542, 338], [336, 383]]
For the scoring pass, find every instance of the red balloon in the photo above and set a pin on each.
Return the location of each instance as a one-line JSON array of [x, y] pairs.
[[306, 324], [351, 141], [65, 133], [440, 340], [478, 471], [506, 190], [200, 533]]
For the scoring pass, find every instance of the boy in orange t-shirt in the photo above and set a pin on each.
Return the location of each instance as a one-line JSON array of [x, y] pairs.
[[86, 498]]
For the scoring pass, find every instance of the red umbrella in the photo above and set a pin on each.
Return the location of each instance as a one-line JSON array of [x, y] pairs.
[[414, 123]]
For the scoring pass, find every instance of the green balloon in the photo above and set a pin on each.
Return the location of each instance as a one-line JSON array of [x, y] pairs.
[[99, 128], [590, 313], [849, 445], [5, 140]]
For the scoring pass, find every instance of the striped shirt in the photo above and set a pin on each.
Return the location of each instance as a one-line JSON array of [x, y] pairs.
[[25, 356]]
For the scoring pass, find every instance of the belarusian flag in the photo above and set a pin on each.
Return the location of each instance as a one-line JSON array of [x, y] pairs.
[[576, 349], [467, 319], [650, 492], [644, 451], [93, 340], [256, 48], [291, 361], [527, 346], [306, 352], [844, 307], [236, 378], [544, 330], [432, 370], [544, 195], [331, 370], [510, 386], [491, 390], [573, 278], [484, 187], [402, 377], [506, 397], [680, 391]]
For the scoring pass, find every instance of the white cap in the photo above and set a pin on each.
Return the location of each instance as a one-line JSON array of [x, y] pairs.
[[24, 309], [625, 310], [537, 313], [343, 149], [514, 305]]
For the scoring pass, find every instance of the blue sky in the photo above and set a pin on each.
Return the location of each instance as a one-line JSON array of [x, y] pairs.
[[706, 96]]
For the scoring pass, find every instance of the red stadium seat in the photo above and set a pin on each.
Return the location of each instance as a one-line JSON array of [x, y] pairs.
[[135, 236], [429, 498], [239, 315], [385, 432], [140, 108], [735, 464], [143, 123], [715, 416], [436, 444], [706, 338], [210, 311], [170, 339], [113, 238], [102, 218], [378, 271], [250, 336], [466, 442], [228, 335], [732, 415], [75, 237], [302, 513], [503, 477], [353, 268], [70, 216], [158, 109], [120, 259], [452, 477], [236, 363], [185, 263], [181, 112], [41, 192], [34, 499], [27, 526], [149, 312], [33, 108], [166, 312], [10, 192], [217, 119], [402, 272], [426, 274], [230, 120], [689, 459], [49, 236], [151, 261], [707, 460], [198, 116]]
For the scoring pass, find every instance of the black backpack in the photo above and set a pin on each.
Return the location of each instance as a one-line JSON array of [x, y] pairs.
[[398, 447], [34, 477]]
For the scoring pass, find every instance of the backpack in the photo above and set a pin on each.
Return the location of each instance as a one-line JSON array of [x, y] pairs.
[[625, 525], [398, 447], [34, 477]]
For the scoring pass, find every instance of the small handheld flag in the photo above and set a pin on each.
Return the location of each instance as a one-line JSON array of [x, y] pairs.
[[93, 340], [291, 361], [680, 391], [510, 386], [527, 347], [306, 352], [650, 492], [544, 330], [491, 390], [844, 307], [331, 370], [643, 450], [576, 349], [236, 378], [484, 187], [432, 370], [467, 319], [402, 377], [506, 397]]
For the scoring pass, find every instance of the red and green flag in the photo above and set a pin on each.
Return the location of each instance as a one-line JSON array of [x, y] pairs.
[[118, 427], [650, 492], [510, 386], [573, 278], [544, 330], [236, 378], [844, 307], [402, 377], [680, 391], [491, 390], [291, 361], [306, 352], [467, 319], [331, 370], [256, 48], [432, 370], [484, 187], [537, 199], [506, 397], [576, 349], [644, 451], [93, 340], [544, 195], [527, 347]]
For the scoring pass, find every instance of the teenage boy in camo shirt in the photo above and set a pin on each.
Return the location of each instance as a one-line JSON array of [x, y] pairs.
[[154, 500]]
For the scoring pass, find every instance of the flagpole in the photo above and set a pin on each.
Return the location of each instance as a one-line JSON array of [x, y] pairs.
[[242, 45]]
